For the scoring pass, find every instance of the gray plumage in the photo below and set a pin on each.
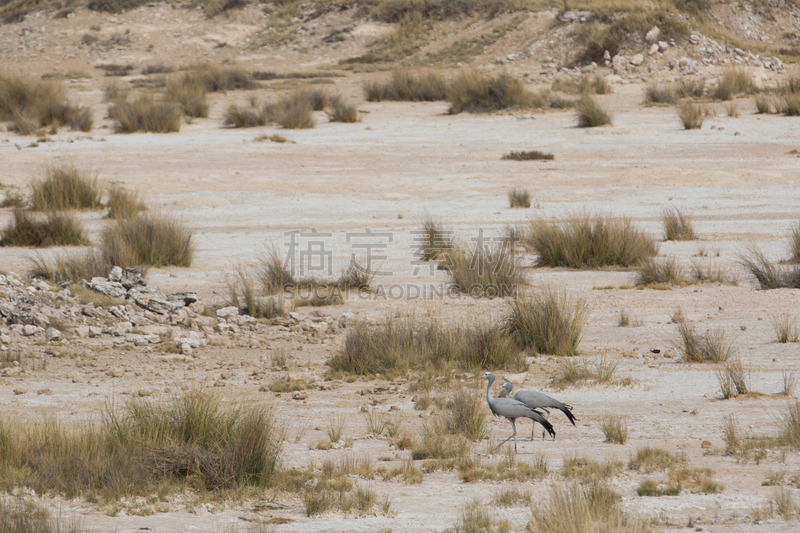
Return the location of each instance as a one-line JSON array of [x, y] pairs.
[[537, 400], [513, 409]]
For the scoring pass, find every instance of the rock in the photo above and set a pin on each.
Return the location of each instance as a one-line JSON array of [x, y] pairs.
[[116, 372], [637, 60], [45, 392], [19, 391], [684, 62], [299, 395], [186, 349], [76, 378], [131, 278], [143, 393], [82, 331], [111, 289], [653, 49], [706, 444], [739, 52], [5, 339], [115, 274], [52, 334], [12, 371], [662, 46], [29, 330], [162, 307], [652, 35], [91, 311], [694, 39], [94, 331], [619, 63], [43, 286], [187, 298], [254, 344], [228, 312], [606, 56]]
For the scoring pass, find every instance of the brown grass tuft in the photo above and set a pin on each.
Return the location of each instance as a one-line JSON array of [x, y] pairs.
[[690, 116], [424, 86], [190, 93], [65, 186], [70, 266], [244, 117], [711, 345], [615, 428], [340, 110], [590, 113], [767, 274], [152, 238], [53, 229], [659, 272], [490, 271], [549, 321], [588, 241], [733, 81], [216, 78], [145, 114], [474, 92], [660, 93], [732, 379], [35, 104], [519, 198], [677, 225], [123, 203], [530, 155]]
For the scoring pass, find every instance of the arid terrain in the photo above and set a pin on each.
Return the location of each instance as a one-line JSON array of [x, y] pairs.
[[738, 176]]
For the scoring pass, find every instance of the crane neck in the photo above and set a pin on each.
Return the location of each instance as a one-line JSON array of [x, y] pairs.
[[488, 389]]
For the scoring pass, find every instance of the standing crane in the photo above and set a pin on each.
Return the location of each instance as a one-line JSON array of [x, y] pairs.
[[537, 400]]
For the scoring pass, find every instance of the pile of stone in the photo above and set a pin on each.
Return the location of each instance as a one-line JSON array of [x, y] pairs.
[[129, 284]]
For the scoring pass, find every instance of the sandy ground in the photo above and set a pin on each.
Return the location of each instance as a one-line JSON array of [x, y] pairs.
[[735, 175]]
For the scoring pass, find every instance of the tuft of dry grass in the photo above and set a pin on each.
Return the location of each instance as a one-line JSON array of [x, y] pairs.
[[474, 518], [244, 117], [530, 155], [340, 110], [586, 509], [732, 379], [588, 241], [151, 238], [714, 273], [295, 110], [424, 86], [767, 103], [712, 345], [70, 266], [243, 295], [767, 274], [677, 225], [660, 93], [519, 198], [587, 470], [465, 415], [474, 92], [190, 93], [491, 271], [123, 203], [615, 428], [649, 459], [272, 272], [145, 114], [789, 426], [53, 229], [731, 434], [35, 104], [690, 116], [691, 87], [590, 113], [66, 186], [549, 321], [25, 516], [659, 272], [574, 371], [785, 328], [216, 78], [733, 81], [193, 440], [794, 243], [433, 242], [438, 443]]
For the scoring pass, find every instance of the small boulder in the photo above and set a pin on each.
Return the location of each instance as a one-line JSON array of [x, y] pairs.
[[228, 312], [637, 60], [52, 334], [652, 35], [29, 330], [94, 331]]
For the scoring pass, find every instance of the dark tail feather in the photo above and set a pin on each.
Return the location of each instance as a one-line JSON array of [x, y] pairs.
[[548, 426], [569, 414]]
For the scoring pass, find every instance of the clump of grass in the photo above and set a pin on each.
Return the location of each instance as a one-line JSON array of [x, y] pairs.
[[216, 78], [273, 273], [424, 86], [12, 199], [789, 383], [794, 243], [768, 275], [519, 198], [624, 319], [35, 104], [145, 114], [615, 428], [376, 422], [70, 266], [649, 459], [319, 295], [549, 321], [691, 87], [474, 92], [53, 229], [340, 110], [190, 93], [791, 105], [66, 186], [712, 345], [730, 434], [243, 295], [785, 328], [732, 379], [295, 111], [789, 426], [433, 242], [590, 113], [731, 109], [490, 271], [574, 371], [19, 516], [399, 345], [690, 116], [530, 155], [192, 440], [509, 468], [123, 203], [782, 503], [513, 496], [654, 272], [584, 508], [767, 103], [678, 225], [287, 384], [465, 415], [438, 443], [474, 518], [708, 272], [585, 469], [733, 81], [152, 238], [588, 241], [660, 93], [244, 117]]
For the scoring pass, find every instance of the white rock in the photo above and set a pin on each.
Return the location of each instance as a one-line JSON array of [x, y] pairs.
[[227, 312], [652, 35], [94, 331], [29, 330], [662, 46], [115, 274], [637, 60], [5, 339], [186, 349], [620, 63], [52, 334], [653, 49]]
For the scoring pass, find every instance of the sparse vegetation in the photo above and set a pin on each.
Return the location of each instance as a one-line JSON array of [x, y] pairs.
[[712, 345], [474, 92], [53, 229], [65, 186], [574, 371], [465, 415], [732, 379], [615, 428], [690, 116], [768, 275], [660, 93], [244, 117], [192, 440], [25, 516], [295, 111], [474, 518], [71, 266], [123, 203], [585, 470], [340, 110], [519, 198], [710, 272], [145, 114], [433, 242], [588, 241], [794, 243], [242, 295], [424, 86], [152, 238], [216, 78], [659, 272], [35, 104], [649, 459], [530, 155], [491, 271], [590, 113], [549, 321], [733, 81], [678, 225], [189, 92], [785, 328]]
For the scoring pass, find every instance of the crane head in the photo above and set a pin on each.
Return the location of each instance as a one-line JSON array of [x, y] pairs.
[[487, 375]]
